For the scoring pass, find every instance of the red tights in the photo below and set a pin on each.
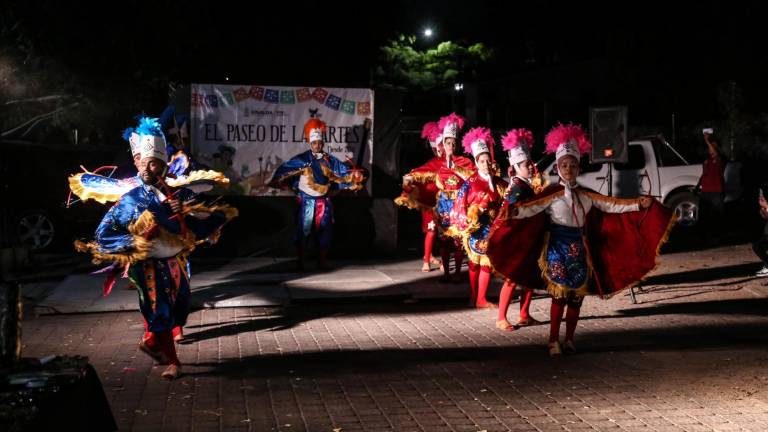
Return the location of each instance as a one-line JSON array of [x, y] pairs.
[[556, 317], [479, 278], [505, 298], [164, 342], [429, 240], [176, 331]]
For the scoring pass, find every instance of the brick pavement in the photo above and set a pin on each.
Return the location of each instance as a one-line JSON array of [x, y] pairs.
[[690, 357]]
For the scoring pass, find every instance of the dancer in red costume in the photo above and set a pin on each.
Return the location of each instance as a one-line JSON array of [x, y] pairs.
[[525, 181], [447, 174], [420, 193], [474, 210], [449, 178], [584, 243]]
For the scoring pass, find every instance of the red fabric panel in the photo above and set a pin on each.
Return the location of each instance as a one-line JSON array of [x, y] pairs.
[[514, 246], [623, 245]]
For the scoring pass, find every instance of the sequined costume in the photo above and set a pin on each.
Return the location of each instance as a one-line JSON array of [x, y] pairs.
[[314, 177], [575, 242], [140, 232]]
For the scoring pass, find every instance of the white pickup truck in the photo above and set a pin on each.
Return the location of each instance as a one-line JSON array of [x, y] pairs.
[[654, 168]]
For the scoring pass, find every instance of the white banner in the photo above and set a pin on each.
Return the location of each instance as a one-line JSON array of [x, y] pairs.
[[248, 131]]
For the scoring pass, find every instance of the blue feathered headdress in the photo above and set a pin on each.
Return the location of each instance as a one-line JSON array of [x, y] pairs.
[[149, 126]]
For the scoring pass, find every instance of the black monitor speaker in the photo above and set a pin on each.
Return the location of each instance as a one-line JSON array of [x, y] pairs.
[[608, 132]]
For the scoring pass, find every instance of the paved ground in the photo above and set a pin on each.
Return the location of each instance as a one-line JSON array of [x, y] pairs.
[[690, 356]]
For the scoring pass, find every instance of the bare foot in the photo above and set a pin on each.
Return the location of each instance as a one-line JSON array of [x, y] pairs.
[[504, 325], [171, 372], [523, 322]]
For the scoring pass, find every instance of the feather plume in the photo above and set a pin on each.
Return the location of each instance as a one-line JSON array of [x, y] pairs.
[[477, 134], [451, 118], [428, 130], [148, 126], [561, 134], [313, 123], [517, 137]]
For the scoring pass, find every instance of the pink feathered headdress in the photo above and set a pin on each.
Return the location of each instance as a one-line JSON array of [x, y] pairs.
[[478, 140], [517, 143], [450, 125], [567, 139], [517, 137], [429, 131]]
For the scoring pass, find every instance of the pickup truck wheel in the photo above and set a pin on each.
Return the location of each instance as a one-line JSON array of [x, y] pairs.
[[686, 207]]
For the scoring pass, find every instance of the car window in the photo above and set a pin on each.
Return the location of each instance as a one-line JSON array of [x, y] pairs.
[[636, 159]]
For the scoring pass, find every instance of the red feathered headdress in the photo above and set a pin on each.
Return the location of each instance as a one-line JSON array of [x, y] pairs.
[[314, 129]]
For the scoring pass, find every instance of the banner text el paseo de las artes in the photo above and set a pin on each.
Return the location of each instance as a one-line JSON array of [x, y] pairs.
[[246, 132]]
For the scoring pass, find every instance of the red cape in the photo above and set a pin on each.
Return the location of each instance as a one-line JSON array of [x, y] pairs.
[[623, 246]]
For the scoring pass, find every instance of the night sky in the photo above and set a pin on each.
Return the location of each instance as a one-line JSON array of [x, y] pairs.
[[687, 49]]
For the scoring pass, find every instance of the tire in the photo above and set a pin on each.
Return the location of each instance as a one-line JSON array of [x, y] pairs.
[[35, 229], [685, 204]]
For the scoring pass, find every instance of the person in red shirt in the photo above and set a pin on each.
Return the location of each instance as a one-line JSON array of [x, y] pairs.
[[761, 245], [711, 186]]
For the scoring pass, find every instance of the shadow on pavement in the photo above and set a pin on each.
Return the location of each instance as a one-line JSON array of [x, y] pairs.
[[674, 338], [753, 306], [705, 274], [289, 317]]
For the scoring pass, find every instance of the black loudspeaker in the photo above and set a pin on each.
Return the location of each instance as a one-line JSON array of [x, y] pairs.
[[608, 131]]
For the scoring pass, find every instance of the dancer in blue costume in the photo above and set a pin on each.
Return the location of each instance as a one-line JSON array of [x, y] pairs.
[[314, 175], [149, 232]]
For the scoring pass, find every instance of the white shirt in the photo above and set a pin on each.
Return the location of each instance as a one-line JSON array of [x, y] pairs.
[[571, 209]]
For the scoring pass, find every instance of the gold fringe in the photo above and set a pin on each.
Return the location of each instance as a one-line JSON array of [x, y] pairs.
[[215, 176], [505, 213], [662, 242], [465, 173], [146, 221], [452, 231], [141, 247], [229, 212], [612, 200], [555, 289], [476, 258], [322, 189], [411, 200], [423, 176], [289, 175], [450, 194], [538, 183], [473, 218], [81, 192]]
